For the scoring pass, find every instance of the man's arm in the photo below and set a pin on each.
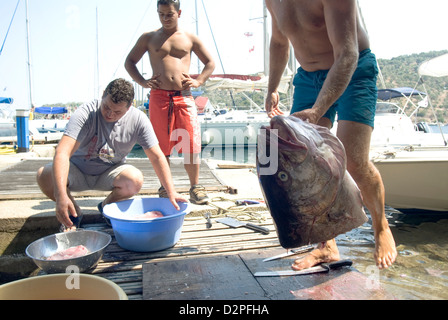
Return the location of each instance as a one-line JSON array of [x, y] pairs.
[[162, 170], [340, 19], [134, 56], [209, 65], [61, 165], [278, 58]]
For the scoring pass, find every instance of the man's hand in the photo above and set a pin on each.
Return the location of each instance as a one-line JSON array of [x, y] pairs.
[[188, 82], [153, 83], [307, 115], [65, 207], [271, 105], [177, 198]]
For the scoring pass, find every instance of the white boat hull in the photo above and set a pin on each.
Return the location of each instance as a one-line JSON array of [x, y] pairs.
[[415, 179], [7, 130], [40, 131], [47, 130]]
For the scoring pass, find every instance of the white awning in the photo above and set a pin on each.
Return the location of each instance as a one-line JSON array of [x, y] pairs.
[[247, 85], [437, 67]]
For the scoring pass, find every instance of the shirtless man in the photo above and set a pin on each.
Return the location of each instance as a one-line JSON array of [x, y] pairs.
[[336, 62], [172, 109]]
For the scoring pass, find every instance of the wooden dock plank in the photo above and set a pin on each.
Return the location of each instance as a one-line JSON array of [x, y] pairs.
[[230, 277], [342, 284], [219, 263], [19, 180], [126, 267], [215, 277]]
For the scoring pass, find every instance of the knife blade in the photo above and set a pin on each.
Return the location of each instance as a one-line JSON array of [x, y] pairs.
[[324, 267], [234, 223], [291, 252]]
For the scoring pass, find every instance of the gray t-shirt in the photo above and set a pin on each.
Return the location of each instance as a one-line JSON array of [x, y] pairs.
[[103, 144]]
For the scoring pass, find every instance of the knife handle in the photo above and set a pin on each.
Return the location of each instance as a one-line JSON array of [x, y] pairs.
[[339, 264], [255, 227]]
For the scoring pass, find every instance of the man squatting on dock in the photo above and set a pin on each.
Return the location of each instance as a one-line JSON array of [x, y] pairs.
[[338, 73], [91, 154], [172, 109]]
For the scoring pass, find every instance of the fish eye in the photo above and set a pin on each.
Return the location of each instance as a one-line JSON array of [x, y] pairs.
[[283, 176]]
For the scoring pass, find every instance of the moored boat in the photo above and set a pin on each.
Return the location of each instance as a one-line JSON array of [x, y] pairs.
[[413, 164]]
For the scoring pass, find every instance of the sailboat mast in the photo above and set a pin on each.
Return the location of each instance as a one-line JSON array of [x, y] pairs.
[[97, 75], [29, 55], [197, 29], [265, 40]]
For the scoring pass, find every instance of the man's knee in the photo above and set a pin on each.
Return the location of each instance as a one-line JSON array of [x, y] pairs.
[[44, 178], [44, 175], [363, 172], [130, 181]]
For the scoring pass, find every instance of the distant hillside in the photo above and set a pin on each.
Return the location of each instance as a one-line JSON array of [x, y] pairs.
[[402, 71]]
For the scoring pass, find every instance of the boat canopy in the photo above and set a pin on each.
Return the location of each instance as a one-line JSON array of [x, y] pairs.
[[51, 110], [387, 94], [6, 100], [436, 67], [240, 83]]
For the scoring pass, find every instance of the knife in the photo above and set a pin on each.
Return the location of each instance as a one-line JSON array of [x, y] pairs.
[[234, 223], [324, 267], [291, 253]]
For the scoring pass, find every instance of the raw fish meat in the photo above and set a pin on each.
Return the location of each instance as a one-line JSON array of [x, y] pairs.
[[70, 253], [149, 215]]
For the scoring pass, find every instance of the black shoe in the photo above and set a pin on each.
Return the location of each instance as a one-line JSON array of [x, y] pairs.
[[100, 209]]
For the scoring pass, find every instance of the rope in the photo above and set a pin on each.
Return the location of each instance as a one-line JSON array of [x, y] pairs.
[[7, 32], [239, 212], [7, 150]]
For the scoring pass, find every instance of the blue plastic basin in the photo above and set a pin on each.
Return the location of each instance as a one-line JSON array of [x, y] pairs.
[[146, 235]]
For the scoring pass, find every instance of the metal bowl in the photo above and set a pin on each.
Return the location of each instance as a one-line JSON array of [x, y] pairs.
[[95, 241]]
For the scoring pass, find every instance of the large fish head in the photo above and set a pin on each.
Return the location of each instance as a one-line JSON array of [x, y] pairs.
[[298, 135], [298, 152], [280, 138], [300, 168]]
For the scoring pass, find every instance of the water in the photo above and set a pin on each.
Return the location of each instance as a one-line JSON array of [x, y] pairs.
[[421, 269]]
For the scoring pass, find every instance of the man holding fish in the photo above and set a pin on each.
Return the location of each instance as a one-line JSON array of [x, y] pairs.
[[338, 73]]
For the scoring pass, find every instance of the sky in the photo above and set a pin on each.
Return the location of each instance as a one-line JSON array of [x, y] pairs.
[[64, 38]]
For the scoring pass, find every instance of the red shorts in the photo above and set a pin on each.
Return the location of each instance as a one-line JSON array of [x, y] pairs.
[[173, 115]]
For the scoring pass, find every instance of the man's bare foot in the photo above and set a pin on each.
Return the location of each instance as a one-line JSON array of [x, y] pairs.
[[325, 252], [385, 250]]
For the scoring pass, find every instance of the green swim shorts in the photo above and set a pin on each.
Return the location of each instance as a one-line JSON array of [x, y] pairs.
[[357, 103]]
